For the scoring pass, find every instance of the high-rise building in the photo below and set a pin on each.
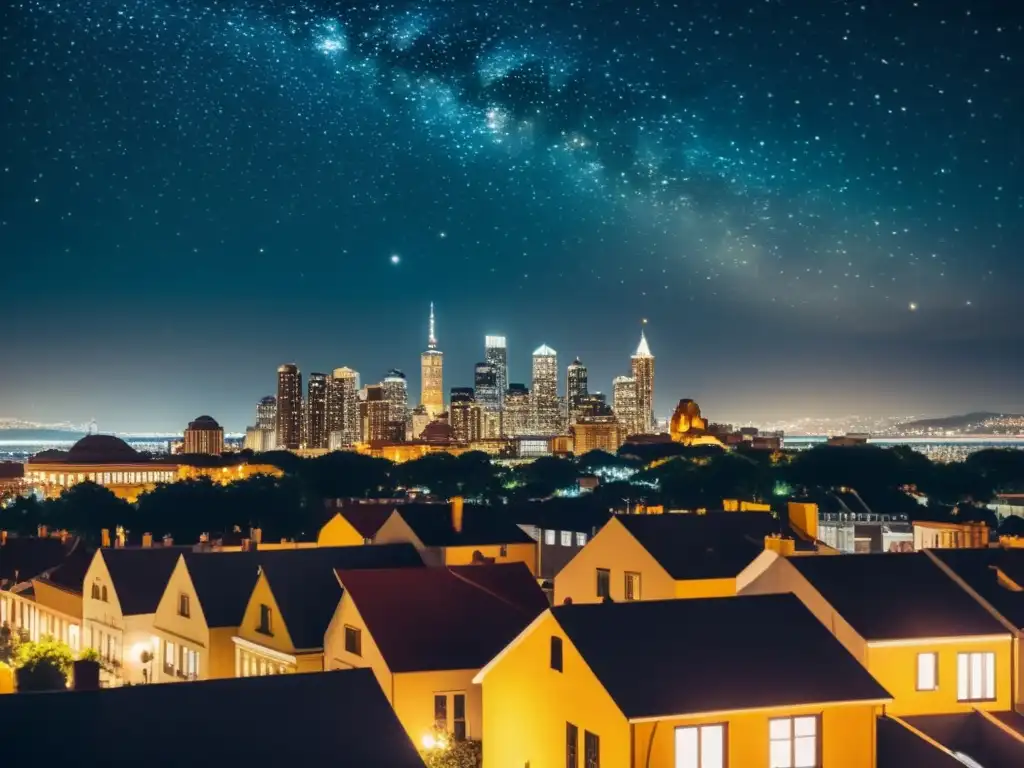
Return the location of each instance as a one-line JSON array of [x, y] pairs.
[[376, 412], [432, 373], [289, 407], [545, 391], [517, 414], [643, 374], [418, 421], [397, 394], [316, 411], [464, 414], [204, 435], [624, 403], [266, 413], [488, 397], [594, 404], [603, 433], [496, 353], [575, 388], [343, 423]]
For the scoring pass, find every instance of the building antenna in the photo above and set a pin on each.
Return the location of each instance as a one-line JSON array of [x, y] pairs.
[[432, 338]]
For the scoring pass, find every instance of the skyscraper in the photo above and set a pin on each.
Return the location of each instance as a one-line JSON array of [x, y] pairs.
[[376, 412], [266, 413], [624, 403], [316, 411], [496, 353], [643, 374], [488, 397], [575, 388], [464, 414], [397, 394], [545, 391], [517, 416], [432, 373], [289, 407], [343, 423]]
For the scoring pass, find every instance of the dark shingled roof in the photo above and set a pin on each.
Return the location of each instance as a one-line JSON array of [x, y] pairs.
[[436, 618], [717, 545], [223, 582], [972, 734], [140, 575], [29, 556], [899, 747], [713, 655], [896, 596], [367, 518], [481, 526], [336, 719], [979, 569], [70, 574], [307, 591]]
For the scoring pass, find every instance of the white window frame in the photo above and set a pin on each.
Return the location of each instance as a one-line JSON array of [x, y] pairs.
[[565, 538], [581, 539], [628, 594], [549, 536], [694, 746], [788, 738], [976, 676], [927, 671]]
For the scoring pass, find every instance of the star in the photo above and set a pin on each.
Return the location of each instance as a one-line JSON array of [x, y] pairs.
[[395, 258]]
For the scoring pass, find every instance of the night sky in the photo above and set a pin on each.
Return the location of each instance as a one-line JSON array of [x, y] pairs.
[[817, 204]]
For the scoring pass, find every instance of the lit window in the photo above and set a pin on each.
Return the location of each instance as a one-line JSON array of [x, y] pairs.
[[632, 586], [927, 671], [700, 747], [169, 657], [976, 677], [549, 537], [581, 539], [793, 742], [353, 640], [604, 583], [566, 539], [556, 653]]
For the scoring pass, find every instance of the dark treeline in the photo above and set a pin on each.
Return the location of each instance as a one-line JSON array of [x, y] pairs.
[[890, 481]]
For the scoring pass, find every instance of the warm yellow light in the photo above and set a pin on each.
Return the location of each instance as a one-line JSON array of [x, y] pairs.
[[434, 741]]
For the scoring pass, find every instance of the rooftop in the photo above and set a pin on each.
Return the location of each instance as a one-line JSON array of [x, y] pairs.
[[544, 351], [25, 557], [433, 525], [140, 575], [204, 423], [994, 574], [642, 349]]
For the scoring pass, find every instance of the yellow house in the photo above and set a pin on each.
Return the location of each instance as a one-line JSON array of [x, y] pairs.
[[292, 603], [353, 525], [426, 633], [459, 535], [923, 637], [120, 594], [655, 557], [705, 683]]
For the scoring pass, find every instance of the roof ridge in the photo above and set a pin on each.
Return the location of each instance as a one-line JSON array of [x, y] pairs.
[[484, 589]]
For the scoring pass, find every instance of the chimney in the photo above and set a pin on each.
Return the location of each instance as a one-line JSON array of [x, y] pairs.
[[120, 536], [246, 545], [204, 538], [457, 502], [3, 538], [168, 541], [86, 675], [105, 537], [41, 531], [147, 540], [256, 534]]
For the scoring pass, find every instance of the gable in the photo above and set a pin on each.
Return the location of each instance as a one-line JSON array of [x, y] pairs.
[[280, 639], [99, 576], [192, 627], [339, 532], [396, 531]]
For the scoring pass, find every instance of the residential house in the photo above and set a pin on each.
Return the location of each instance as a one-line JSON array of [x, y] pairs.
[[459, 535], [426, 633], [701, 683], [923, 637], [293, 600], [336, 720], [978, 738], [561, 528], [654, 557], [354, 524]]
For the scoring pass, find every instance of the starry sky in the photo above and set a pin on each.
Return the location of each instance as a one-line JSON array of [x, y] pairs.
[[816, 204]]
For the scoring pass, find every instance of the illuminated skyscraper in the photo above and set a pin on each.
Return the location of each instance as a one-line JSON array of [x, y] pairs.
[[289, 407], [517, 416], [266, 414], [624, 403], [376, 413], [343, 423], [496, 353], [204, 435], [488, 397], [545, 391], [432, 373], [397, 394], [464, 415], [643, 374], [316, 411], [575, 388]]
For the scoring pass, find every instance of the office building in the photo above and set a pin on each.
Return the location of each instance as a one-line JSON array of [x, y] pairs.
[[517, 415], [624, 403], [432, 373], [643, 375], [418, 421], [397, 394], [601, 433], [266, 413], [464, 414], [575, 388], [545, 391], [594, 404], [496, 353], [289, 407], [204, 435], [376, 415], [343, 422], [316, 411], [489, 399]]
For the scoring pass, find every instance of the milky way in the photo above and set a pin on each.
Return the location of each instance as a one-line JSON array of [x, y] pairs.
[[831, 160]]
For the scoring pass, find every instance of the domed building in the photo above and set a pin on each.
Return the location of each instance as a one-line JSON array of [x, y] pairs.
[[204, 435]]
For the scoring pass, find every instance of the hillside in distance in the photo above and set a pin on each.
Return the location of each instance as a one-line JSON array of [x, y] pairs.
[[977, 423], [27, 434]]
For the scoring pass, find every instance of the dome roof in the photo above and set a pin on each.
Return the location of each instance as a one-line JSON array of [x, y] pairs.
[[204, 422], [101, 449]]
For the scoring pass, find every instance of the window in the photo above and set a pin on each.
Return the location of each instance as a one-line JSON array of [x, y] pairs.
[[793, 742], [459, 716], [632, 586], [94, 593], [264, 627], [103, 593], [353, 640], [566, 539], [441, 712], [927, 671], [604, 582], [556, 653], [581, 539], [549, 537], [591, 750], [976, 676], [169, 658], [503, 550], [572, 746], [700, 746], [183, 605]]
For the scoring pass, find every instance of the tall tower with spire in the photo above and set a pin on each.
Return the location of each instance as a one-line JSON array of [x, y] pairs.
[[432, 373], [643, 376]]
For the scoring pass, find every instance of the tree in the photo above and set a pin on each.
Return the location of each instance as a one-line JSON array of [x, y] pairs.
[[87, 508], [43, 666], [1012, 525], [440, 750], [23, 516]]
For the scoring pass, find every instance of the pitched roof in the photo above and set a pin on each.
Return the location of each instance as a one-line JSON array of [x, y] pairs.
[[975, 735], [717, 545], [896, 596], [980, 568], [223, 582], [140, 575], [359, 728], [307, 591], [24, 557], [366, 518], [437, 618], [70, 574], [692, 656], [432, 524], [554, 514], [898, 747]]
